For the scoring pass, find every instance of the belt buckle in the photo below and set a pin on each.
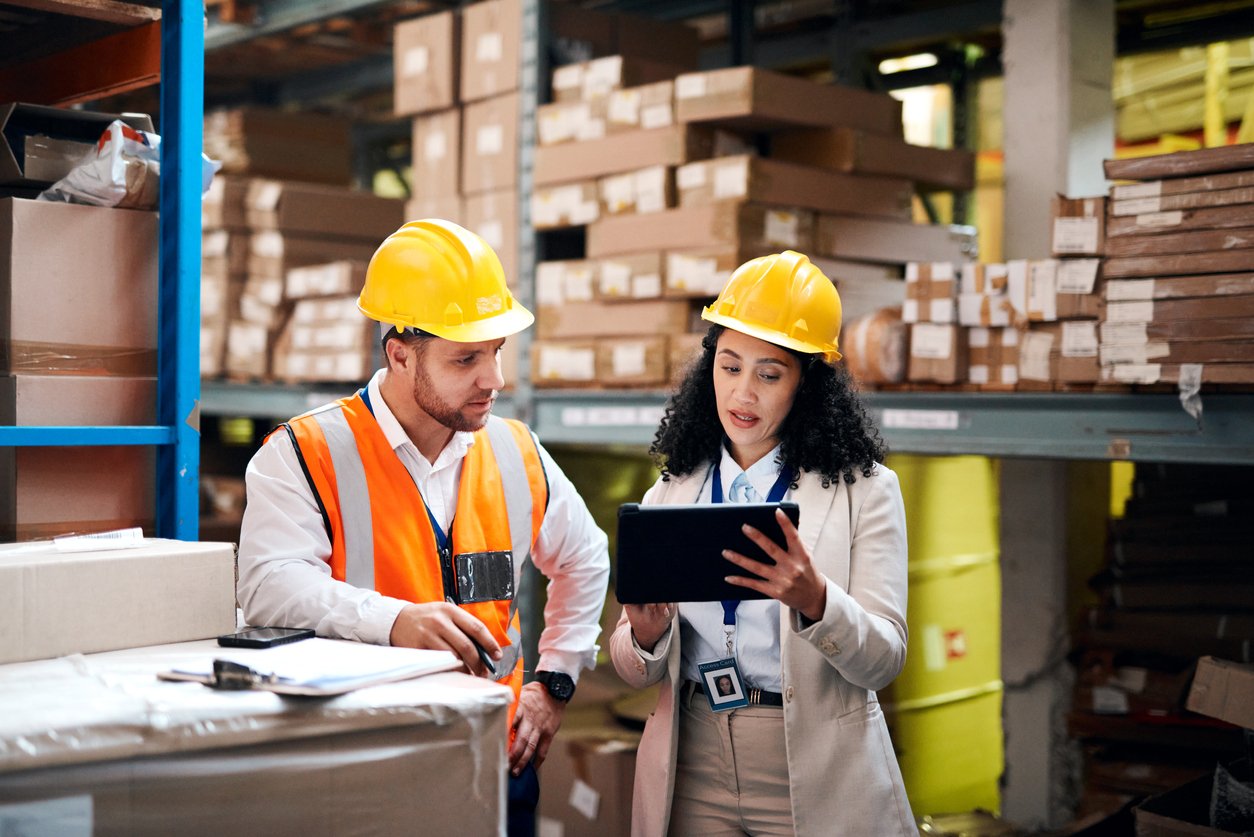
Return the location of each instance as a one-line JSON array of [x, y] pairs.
[[755, 696]]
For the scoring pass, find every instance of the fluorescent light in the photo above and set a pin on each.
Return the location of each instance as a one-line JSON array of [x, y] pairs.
[[907, 62]]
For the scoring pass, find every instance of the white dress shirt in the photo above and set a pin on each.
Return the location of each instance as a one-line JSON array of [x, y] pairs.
[[284, 552], [756, 639]]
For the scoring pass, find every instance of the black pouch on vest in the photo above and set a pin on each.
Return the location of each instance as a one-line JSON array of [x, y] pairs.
[[480, 577]]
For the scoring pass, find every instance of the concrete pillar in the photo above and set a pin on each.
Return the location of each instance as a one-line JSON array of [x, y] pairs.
[[1038, 779], [1058, 114]]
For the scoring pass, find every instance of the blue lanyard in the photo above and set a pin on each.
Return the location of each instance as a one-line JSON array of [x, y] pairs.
[[777, 492]]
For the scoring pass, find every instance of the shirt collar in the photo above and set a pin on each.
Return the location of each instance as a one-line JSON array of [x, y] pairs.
[[761, 474], [396, 435]]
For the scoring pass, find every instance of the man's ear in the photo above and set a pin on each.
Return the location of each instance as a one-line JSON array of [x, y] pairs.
[[397, 353]]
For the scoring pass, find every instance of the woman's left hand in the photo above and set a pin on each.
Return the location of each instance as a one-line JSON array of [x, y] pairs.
[[793, 580]]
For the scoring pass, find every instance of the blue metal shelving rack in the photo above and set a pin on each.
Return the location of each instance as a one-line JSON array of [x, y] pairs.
[[177, 432]]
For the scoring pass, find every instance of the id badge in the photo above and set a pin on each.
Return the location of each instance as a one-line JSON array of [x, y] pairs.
[[482, 577], [724, 687]]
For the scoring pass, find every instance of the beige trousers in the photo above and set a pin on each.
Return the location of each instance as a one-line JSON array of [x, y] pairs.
[[731, 772]]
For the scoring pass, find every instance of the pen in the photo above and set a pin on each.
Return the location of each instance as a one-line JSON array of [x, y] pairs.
[[484, 658]]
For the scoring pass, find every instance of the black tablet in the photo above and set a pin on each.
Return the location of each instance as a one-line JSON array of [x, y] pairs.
[[675, 553]]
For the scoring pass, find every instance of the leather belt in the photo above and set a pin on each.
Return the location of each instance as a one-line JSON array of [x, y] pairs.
[[757, 697]]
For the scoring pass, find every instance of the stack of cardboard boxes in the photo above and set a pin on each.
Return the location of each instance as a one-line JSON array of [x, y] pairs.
[[1180, 251]]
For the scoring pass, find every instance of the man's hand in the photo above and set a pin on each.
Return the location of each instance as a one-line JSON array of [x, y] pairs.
[[445, 627], [535, 723]]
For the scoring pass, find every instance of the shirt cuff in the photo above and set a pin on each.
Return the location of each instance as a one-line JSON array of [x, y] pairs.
[[660, 649]]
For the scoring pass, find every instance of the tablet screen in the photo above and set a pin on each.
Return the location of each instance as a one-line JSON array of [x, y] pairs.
[[675, 553]]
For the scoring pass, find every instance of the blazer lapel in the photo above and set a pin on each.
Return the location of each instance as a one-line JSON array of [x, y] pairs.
[[815, 502]]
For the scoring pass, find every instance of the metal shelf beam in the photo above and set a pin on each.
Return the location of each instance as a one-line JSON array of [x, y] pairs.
[[63, 436]]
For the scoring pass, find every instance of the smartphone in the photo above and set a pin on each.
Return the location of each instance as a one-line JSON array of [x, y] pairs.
[[264, 637]]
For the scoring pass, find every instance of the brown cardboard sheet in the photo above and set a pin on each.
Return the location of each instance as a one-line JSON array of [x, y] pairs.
[[858, 152]]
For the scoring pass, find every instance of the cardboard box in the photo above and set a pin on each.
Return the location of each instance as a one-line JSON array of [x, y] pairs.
[[1182, 185], [641, 108], [1170, 351], [669, 42], [331, 279], [224, 251], [751, 228], [491, 33], [701, 274], [630, 276], [326, 339], [426, 63], [247, 350], [858, 152], [1194, 241], [494, 216], [208, 762], [684, 350], [1190, 200], [578, 34], [613, 319], [284, 145], [1124, 290], [1203, 308], [759, 180], [1182, 164], [647, 190], [437, 156], [994, 358], [931, 295], [1223, 261], [560, 282], [563, 362], [271, 254], [622, 152], [577, 121], [938, 353], [1079, 226], [57, 603], [307, 209], [754, 99], [449, 208], [490, 144], [223, 205], [99, 265], [1225, 690], [1155, 223], [589, 775], [596, 79], [48, 138], [1170, 373], [892, 242], [567, 205], [633, 361]]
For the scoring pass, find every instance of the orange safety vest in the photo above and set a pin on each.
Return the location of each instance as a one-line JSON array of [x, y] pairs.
[[381, 535]]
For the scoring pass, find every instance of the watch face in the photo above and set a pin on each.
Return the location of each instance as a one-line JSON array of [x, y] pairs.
[[560, 686]]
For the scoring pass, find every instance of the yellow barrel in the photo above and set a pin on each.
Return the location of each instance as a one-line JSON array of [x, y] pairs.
[[945, 707]]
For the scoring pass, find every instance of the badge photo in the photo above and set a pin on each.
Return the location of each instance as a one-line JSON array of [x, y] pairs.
[[724, 688]]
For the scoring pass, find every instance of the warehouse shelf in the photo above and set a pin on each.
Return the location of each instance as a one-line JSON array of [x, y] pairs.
[[78, 52], [1099, 426]]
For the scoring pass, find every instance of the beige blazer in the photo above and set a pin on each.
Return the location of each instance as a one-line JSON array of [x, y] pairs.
[[843, 775]]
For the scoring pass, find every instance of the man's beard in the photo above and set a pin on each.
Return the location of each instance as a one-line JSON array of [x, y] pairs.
[[446, 414]]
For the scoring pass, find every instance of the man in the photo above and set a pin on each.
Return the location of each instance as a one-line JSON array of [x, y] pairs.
[[403, 514]]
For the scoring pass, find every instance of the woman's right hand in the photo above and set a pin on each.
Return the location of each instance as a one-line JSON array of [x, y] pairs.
[[649, 622]]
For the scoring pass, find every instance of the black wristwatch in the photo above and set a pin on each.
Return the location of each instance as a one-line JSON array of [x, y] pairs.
[[561, 686]]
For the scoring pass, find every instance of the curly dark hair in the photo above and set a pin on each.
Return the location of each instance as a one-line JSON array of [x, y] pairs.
[[827, 432]]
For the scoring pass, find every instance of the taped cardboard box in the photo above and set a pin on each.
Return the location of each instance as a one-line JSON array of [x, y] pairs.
[[754, 99], [490, 145], [598, 78], [633, 361], [284, 145], [491, 34], [57, 603], [330, 279], [494, 217], [631, 276], [938, 353], [560, 282], [450, 208], [1225, 690], [931, 294], [858, 152], [588, 779], [645, 107], [892, 241], [623, 152], [271, 254], [701, 274], [994, 358], [228, 246], [426, 63], [1079, 226], [567, 205], [213, 762], [614, 319], [648, 190], [577, 121], [223, 206], [39, 145], [556, 363], [759, 180], [306, 209], [101, 264], [437, 156], [751, 228]]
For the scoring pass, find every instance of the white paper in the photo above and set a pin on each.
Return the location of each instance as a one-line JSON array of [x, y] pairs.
[[566, 363], [1079, 339], [932, 342], [1152, 189], [1076, 235], [1160, 219], [627, 359], [615, 279], [1124, 333], [898, 419], [550, 282], [1043, 289], [1137, 373], [489, 47], [1130, 312], [1114, 353], [266, 197], [493, 232], [602, 76], [691, 176], [585, 799], [489, 140], [690, 86], [1034, 355], [624, 107], [657, 116], [1137, 206], [781, 228], [1078, 276], [978, 373], [646, 286], [910, 311], [941, 310], [1122, 290], [435, 147], [578, 286], [978, 338], [731, 180], [416, 61], [1109, 701], [1010, 374]]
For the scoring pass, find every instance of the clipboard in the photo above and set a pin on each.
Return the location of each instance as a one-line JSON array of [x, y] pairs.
[[313, 668], [675, 553]]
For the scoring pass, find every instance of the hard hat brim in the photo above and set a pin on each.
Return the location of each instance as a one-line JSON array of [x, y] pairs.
[[516, 319], [831, 355]]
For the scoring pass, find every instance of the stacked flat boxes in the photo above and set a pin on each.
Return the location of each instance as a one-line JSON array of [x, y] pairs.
[[1180, 269]]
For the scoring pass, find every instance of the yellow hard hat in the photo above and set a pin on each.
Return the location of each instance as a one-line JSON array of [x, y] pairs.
[[443, 279], [782, 299]]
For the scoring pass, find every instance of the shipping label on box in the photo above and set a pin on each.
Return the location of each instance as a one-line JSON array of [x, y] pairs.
[[647, 106], [633, 276], [570, 205], [557, 363], [570, 122], [648, 190]]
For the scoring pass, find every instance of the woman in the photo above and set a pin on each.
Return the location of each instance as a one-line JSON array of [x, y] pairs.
[[764, 415]]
